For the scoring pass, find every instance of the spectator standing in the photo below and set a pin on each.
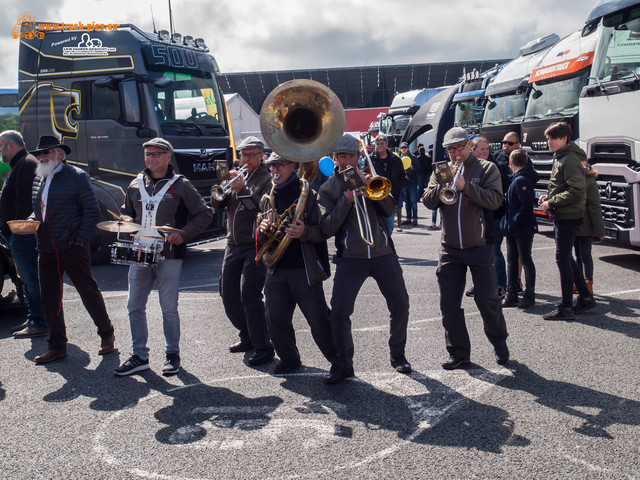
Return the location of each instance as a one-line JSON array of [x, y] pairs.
[[566, 199], [388, 165], [593, 225], [411, 186], [519, 226], [15, 204]]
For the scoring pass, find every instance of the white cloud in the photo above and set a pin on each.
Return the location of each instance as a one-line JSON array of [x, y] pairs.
[[250, 35]]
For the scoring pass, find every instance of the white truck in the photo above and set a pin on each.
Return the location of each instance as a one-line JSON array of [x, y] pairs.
[[609, 118]]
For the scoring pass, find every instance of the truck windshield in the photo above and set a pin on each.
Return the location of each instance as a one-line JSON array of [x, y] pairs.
[[504, 109], [468, 114], [399, 124], [555, 99], [191, 101], [618, 52]]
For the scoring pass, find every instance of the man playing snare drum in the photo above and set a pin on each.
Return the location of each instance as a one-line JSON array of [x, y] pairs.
[[158, 197]]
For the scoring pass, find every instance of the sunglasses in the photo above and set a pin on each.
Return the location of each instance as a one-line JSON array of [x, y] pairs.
[[511, 144], [44, 152], [154, 154]]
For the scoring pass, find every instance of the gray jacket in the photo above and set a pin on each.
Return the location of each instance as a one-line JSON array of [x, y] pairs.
[[468, 223], [339, 219]]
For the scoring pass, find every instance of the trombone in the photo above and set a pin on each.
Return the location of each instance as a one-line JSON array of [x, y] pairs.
[[218, 192]]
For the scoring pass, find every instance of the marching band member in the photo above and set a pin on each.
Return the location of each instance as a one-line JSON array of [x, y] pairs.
[[467, 241], [241, 277], [297, 276], [159, 197], [356, 261]]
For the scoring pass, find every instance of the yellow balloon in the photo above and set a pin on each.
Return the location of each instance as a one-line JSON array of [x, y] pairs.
[[406, 162]]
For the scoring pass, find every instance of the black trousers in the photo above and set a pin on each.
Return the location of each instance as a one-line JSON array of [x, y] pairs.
[[284, 289], [76, 263], [349, 277], [570, 272], [452, 274], [520, 248], [241, 283]]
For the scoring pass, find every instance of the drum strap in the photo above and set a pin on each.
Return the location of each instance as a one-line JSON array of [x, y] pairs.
[[150, 206]]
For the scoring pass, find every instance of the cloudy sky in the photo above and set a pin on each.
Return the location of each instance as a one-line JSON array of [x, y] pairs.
[[260, 35]]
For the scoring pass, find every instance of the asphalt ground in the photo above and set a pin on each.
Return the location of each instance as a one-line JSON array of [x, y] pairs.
[[566, 406]]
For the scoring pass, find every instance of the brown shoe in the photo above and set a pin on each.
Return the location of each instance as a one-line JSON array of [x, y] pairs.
[[50, 356], [107, 344]]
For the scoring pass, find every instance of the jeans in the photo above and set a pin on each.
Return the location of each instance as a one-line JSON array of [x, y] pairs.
[[141, 281], [389, 221], [411, 201], [583, 255], [520, 247], [434, 215], [570, 273], [26, 257], [498, 261]]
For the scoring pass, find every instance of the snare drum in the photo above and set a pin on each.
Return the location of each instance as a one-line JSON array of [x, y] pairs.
[[147, 255], [122, 253]]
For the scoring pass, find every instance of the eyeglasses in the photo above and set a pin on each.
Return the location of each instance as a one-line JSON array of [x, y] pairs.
[[511, 144], [250, 155], [154, 154], [456, 148], [403, 148]]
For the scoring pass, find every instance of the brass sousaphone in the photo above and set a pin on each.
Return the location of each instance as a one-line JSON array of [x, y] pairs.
[[301, 120]]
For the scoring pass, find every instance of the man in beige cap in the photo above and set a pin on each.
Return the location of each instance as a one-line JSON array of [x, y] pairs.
[[156, 197], [468, 242], [241, 277]]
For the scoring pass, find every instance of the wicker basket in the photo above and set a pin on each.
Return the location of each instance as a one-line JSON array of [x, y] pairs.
[[23, 227]]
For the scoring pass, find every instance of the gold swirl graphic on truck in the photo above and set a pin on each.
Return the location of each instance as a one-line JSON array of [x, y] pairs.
[[63, 102]]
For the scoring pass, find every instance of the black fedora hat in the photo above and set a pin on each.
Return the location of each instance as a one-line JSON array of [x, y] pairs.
[[46, 142]]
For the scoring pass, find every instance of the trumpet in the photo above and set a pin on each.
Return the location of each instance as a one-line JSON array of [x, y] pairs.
[[377, 187], [218, 192], [449, 195]]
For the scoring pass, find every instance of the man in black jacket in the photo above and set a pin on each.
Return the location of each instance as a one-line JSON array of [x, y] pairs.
[[67, 207], [15, 204], [296, 279], [241, 277], [388, 165]]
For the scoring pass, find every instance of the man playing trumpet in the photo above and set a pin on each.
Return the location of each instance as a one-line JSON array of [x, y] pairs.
[[297, 276], [362, 252], [467, 241], [241, 277]]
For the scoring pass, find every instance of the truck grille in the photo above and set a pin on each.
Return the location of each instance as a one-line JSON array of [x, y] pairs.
[[617, 199]]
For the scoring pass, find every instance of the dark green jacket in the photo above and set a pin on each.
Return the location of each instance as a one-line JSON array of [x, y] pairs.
[[567, 186], [593, 225]]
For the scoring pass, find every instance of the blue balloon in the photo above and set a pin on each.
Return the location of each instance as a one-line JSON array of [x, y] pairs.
[[326, 166]]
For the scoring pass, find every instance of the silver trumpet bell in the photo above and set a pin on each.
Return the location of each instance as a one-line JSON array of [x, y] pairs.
[[449, 195]]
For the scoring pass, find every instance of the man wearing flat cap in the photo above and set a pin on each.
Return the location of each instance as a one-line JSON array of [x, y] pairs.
[[296, 279], [67, 207], [356, 260], [468, 242], [241, 277], [159, 197]]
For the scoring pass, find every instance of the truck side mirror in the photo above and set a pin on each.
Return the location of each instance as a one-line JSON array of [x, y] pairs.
[[130, 103], [163, 82], [104, 82]]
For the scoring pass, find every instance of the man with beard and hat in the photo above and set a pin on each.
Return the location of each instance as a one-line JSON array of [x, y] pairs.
[[67, 207]]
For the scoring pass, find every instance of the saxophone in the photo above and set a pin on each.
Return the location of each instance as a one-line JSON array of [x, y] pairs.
[[277, 240]]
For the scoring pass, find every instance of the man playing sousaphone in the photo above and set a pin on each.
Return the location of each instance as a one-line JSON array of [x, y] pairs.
[[362, 251], [467, 241], [303, 264]]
